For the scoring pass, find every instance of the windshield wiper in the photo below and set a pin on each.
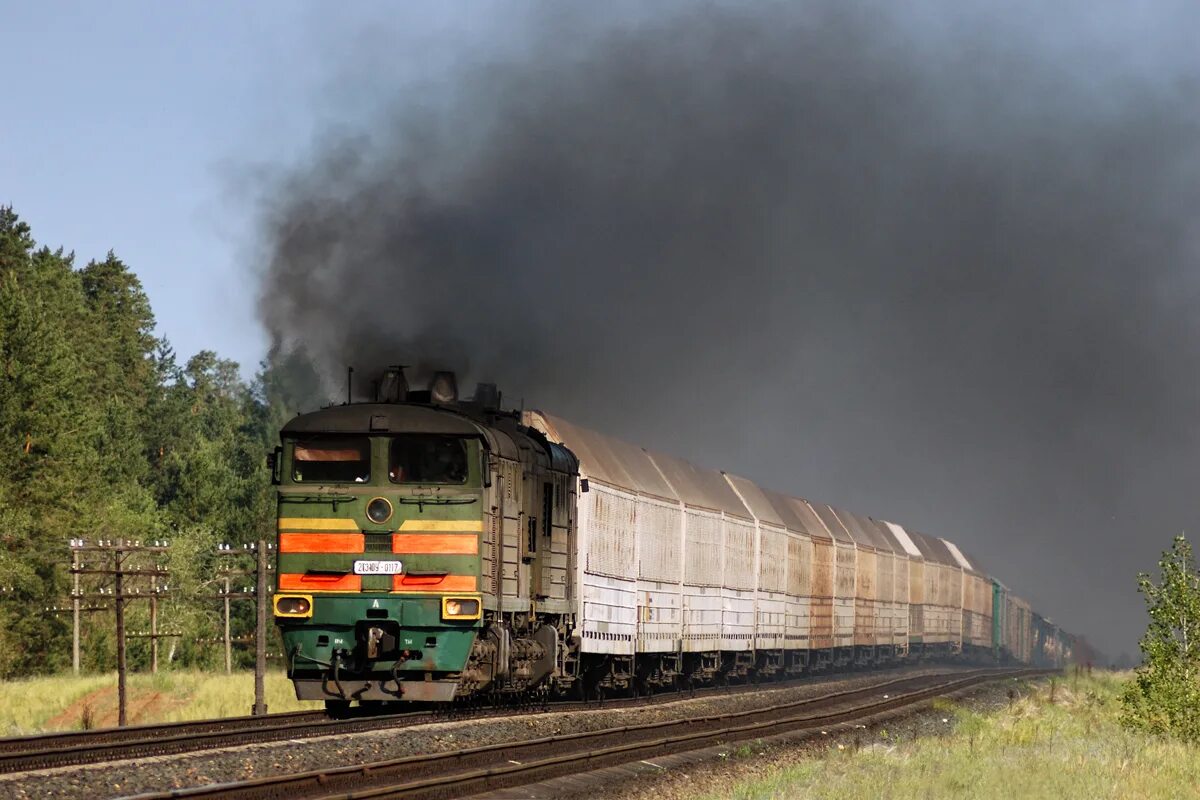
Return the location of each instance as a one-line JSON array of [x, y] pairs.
[[421, 502], [317, 498]]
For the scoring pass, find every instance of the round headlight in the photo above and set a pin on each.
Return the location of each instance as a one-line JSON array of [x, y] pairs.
[[379, 511]]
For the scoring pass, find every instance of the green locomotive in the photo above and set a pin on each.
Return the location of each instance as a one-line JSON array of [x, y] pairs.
[[389, 558]]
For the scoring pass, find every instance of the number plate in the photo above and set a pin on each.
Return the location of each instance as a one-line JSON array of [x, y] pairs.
[[378, 567]]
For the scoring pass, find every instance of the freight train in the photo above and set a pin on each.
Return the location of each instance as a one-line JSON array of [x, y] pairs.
[[432, 549]]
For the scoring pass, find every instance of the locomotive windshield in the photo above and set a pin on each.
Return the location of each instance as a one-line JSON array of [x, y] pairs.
[[332, 459], [425, 458]]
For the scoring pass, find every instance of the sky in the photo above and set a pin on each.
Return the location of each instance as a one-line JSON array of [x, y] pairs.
[[956, 292], [140, 127]]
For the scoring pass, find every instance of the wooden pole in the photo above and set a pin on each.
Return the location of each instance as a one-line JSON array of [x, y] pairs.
[[75, 610], [228, 641], [154, 624], [260, 629], [120, 610]]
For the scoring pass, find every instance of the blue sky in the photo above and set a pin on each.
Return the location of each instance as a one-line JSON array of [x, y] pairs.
[[141, 126]]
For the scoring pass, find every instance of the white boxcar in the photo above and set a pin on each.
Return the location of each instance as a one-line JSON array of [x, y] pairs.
[[683, 571]]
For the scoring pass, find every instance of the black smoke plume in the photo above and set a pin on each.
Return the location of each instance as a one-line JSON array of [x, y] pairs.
[[933, 263]]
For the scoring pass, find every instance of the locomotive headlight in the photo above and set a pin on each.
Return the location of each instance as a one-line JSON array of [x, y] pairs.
[[461, 608], [379, 510], [293, 605]]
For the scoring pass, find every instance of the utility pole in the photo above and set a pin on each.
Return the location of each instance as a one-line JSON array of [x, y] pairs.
[[120, 571], [120, 609], [261, 593], [228, 640], [154, 624], [75, 607], [227, 595], [260, 632]]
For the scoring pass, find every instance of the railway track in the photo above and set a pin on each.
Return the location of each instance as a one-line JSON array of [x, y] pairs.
[[496, 766], [43, 751], [73, 748]]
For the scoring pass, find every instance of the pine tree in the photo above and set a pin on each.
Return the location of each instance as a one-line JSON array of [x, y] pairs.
[[1164, 697], [104, 435]]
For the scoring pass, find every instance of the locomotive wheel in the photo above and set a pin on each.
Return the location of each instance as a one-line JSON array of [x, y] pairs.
[[338, 709]]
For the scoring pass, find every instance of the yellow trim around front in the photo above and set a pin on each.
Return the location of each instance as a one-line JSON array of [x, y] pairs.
[[442, 525], [279, 613], [309, 524], [475, 597]]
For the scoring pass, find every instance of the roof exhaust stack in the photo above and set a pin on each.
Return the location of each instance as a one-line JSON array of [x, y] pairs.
[[487, 396], [443, 389], [393, 387]]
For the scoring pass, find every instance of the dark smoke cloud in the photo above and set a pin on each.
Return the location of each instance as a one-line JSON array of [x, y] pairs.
[[936, 264]]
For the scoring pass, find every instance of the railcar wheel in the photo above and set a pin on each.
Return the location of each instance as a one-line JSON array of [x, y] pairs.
[[338, 709]]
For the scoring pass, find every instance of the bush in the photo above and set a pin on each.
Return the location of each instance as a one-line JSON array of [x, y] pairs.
[[1164, 697]]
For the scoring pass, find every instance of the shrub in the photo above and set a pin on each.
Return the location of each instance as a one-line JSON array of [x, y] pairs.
[[1164, 697]]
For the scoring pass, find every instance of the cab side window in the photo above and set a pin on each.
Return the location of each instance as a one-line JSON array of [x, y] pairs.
[[427, 458]]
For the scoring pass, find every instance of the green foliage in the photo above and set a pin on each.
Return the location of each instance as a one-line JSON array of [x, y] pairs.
[[104, 435], [1164, 697]]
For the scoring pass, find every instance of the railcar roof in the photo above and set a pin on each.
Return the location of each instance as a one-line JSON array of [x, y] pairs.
[[807, 511], [904, 542], [932, 548], [756, 499], [796, 515], [632, 468], [976, 564], [603, 458], [835, 526], [864, 531], [702, 488], [959, 558]]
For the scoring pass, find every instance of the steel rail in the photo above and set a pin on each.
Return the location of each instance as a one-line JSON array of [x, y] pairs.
[[42, 741], [487, 767], [74, 748]]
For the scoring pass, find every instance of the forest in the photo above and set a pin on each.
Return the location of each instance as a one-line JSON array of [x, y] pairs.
[[108, 434]]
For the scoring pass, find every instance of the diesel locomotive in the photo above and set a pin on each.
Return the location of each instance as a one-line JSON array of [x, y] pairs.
[[432, 549]]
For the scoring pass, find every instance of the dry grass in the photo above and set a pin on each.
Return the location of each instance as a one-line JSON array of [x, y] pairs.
[[70, 703], [1071, 746]]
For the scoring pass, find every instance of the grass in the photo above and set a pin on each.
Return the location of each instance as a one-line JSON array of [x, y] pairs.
[[1071, 745], [66, 702]]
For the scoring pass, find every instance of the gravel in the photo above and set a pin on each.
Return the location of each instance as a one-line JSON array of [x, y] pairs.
[[120, 779]]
